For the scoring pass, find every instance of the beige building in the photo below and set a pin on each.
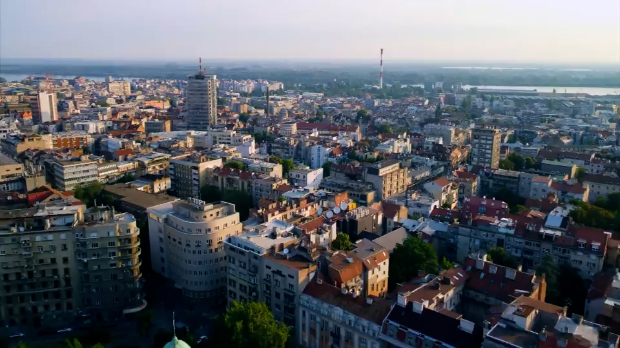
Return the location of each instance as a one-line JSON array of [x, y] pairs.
[[57, 262], [122, 88], [388, 177], [15, 144], [486, 144], [187, 245], [600, 186], [157, 126], [264, 265], [189, 173], [11, 174], [443, 190]]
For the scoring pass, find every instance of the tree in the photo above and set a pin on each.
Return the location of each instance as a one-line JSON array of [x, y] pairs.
[[102, 103], [501, 257], [2, 79], [506, 164], [242, 201], [517, 160], [549, 269], [234, 165], [362, 115], [275, 159], [92, 192], [243, 117], [281, 199], [86, 150], [580, 173], [342, 242], [327, 169], [210, 194], [145, 319], [530, 163], [445, 264], [572, 289], [248, 325], [287, 166], [384, 128], [410, 257], [221, 101]]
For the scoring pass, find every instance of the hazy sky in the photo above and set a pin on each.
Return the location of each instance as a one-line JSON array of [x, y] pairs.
[[584, 31]]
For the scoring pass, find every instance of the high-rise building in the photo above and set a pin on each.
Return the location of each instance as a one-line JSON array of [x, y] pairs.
[[44, 108], [201, 101], [187, 243], [188, 174], [60, 261], [486, 143]]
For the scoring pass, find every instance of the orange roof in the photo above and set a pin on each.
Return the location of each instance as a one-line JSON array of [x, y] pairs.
[[442, 182]]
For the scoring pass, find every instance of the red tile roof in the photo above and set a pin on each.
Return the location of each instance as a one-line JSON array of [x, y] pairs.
[[442, 182]]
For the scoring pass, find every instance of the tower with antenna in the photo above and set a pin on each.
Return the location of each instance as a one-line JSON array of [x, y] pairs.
[[381, 71], [267, 106]]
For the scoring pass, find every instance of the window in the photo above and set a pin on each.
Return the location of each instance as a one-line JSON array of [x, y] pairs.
[[581, 244], [595, 247]]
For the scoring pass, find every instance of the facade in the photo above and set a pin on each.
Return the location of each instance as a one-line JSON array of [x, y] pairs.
[[44, 107], [387, 177], [71, 140], [264, 265], [445, 132], [443, 190], [189, 173], [14, 144], [63, 261], [187, 245], [486, 145], [600, 186], [306, 177], [201, 101], [122, 88], [157, 126], [69, 174], [11, 175]]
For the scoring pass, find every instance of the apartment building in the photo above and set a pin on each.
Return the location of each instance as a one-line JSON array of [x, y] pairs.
[[361, 219], [264, 264], [303, 177], [600, 185], [543, 186], [71, 140], [44, 107], [157, 126], [121, 88], [189, 173], [486, 143], [529, 239], [424, 316], [54, 269], [11, 175], [445, 132], [187, 245], [388, 178], [67, 174], [258, 166], [492, 181], [108, 259], [474, 206], [269, 188], [362, 193], [14, 144], [443, 190], [561, 168], [528, 322]]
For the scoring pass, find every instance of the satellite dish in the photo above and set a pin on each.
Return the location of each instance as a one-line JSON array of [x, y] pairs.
[[320, 211], [330, 214], [285, 251], [336, 210], [343, 206]]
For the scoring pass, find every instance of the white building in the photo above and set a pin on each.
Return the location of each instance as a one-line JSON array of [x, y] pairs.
[[318, 156], [69, 174], [303, 177]]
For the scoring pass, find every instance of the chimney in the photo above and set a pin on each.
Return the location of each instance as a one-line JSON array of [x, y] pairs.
[[402, 300], [419, 307], [466, 325]]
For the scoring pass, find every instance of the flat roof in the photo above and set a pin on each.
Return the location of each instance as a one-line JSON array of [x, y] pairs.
[[6, 160]]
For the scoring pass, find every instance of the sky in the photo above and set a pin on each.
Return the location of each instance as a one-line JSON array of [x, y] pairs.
[[554, 31]]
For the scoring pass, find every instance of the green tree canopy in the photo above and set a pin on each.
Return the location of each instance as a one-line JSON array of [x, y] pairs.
[[549, 269], [275, 159], [287, 166], [530, 163], [580, 173], [102, 103], [244, 116], [410, 257], [501, 257], [517, 160], [384, 128], [91, 193], [342, 242], [234, 165], [506, 164], [248, 325], [2, 79], [327, 169]]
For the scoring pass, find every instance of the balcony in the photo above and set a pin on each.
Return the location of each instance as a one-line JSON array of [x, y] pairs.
[[125, 245]]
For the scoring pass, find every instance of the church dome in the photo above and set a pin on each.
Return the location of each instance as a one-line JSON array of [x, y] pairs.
[[176, 343]]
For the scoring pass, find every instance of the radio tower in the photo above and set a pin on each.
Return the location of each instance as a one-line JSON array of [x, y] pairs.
[[381, 71]]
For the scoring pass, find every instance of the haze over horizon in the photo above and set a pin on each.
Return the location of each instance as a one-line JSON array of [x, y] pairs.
[[526, 31]]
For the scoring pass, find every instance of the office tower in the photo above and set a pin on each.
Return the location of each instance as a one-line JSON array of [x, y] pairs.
[[486, 143], [201, 101], [44, 108], [187, 243]]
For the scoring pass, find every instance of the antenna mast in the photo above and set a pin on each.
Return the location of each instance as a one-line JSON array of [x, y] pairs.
[[199, 64], [381, 71]]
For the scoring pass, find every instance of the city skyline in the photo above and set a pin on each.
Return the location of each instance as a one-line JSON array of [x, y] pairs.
[[477, 30]]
